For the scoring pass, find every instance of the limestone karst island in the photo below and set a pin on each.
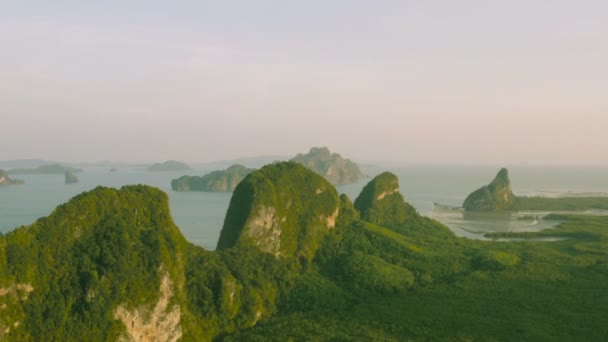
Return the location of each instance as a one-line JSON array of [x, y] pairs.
[[294, 260]]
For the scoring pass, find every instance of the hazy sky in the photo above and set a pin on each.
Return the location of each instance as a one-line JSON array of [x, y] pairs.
[[419, 81]]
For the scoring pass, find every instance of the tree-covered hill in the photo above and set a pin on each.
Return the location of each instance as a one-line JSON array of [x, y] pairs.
[[294, 261]]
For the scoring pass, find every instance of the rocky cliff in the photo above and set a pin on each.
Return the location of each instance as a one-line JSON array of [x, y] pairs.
[[282, 209], [332, 166], [495, 196]]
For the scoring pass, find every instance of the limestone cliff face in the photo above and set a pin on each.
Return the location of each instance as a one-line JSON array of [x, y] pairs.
[[283, 209], [495, 196], [216, 181], [381, 202], [333, 167], [105, 253]]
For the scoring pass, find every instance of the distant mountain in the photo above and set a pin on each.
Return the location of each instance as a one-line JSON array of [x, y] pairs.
[[25, 163], [170, 165], [216, 181], [252, 162], [50, 169], [333, 167]]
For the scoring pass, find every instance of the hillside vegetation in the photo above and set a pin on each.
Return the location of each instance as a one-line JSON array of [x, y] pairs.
[[295, 261]]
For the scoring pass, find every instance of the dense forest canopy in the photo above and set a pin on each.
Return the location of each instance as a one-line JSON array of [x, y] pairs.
[[295, 261]]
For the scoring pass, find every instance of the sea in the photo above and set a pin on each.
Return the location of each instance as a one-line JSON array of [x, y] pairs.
[[436, 191]]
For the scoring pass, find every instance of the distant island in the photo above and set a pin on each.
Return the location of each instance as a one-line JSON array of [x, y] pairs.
[[170, 165], [6, 180], [333, 167], [216, 181], [498, 196], [51, 169], [70, 178]]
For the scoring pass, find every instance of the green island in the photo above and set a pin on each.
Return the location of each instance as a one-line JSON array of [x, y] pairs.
[[51, 169], [295, 261], [6, 180], [332, 166], [216, 181], [498, 196], [71, 178], [169, 165]]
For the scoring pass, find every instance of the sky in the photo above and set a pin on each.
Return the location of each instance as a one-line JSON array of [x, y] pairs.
[[481, 82]]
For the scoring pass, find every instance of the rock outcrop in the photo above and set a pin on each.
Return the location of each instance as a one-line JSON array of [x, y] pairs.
[[283, 209], [70, 178], [333, 167], [216, 181], [495, 196], [380, 202], [6, 180]]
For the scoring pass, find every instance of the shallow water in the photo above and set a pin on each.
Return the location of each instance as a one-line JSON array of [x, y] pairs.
[[200, 215]]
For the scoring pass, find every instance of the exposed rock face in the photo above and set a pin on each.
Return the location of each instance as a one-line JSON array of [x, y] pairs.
[[216, 181], [70, 178], [381, 202], [100, 252], [495, 196], [333, 167], [159, 324], [282, 209], [6, 180], [170, 165]]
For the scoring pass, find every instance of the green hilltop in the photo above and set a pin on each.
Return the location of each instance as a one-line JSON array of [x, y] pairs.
[[295, 261], [216, 181], [498, 196]]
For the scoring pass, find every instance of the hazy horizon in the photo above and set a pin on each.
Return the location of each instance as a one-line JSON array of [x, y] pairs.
[[467, 82]]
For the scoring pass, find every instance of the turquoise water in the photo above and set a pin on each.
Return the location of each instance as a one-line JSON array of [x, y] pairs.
[[200, 215]]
